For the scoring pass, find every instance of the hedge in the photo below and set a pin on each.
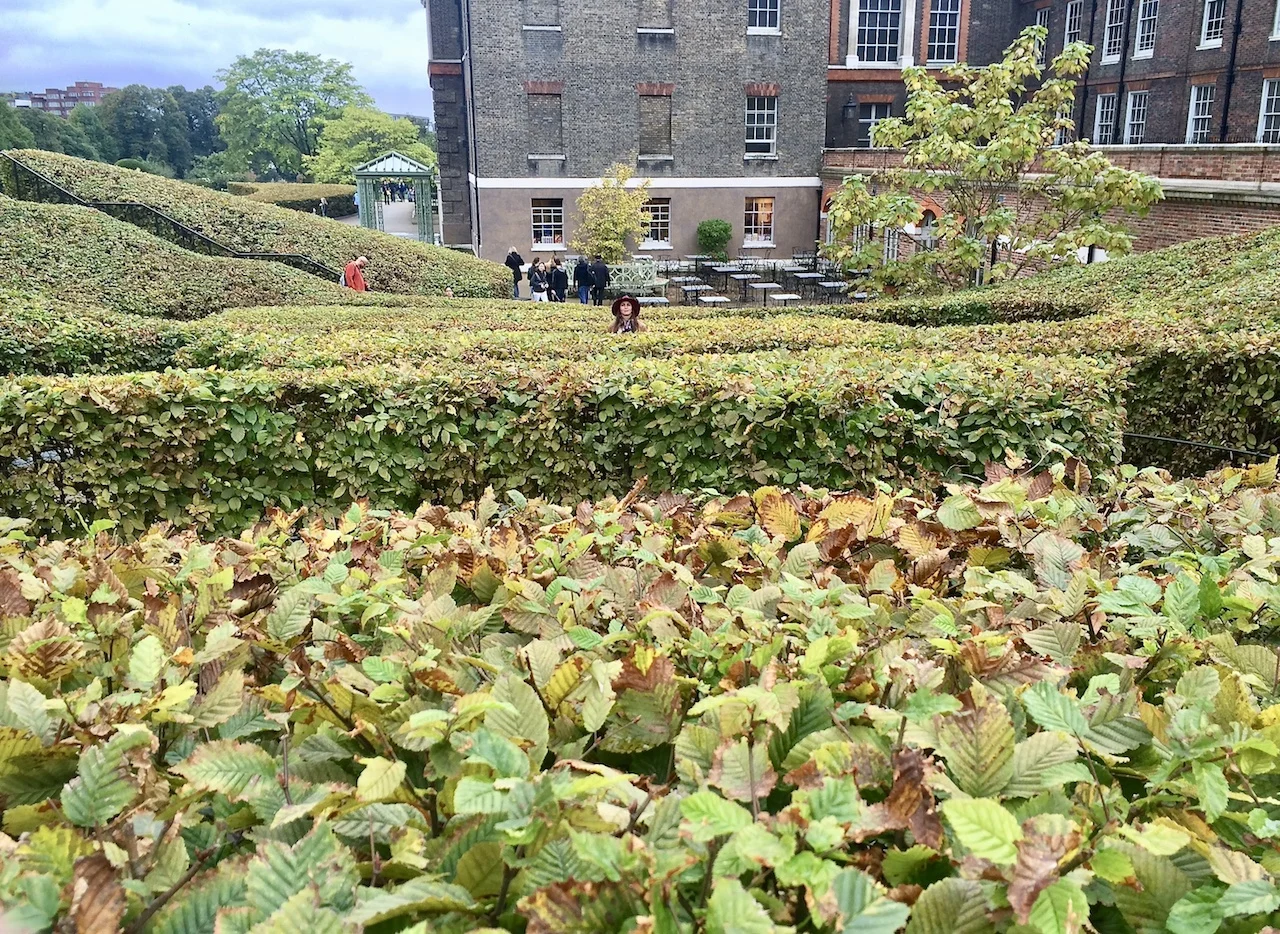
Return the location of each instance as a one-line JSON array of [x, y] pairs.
[[215, 448], [84, 257], [396, 265], [340, 199]]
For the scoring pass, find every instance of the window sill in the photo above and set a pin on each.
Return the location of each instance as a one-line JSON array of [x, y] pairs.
[[760, 157], [529, 28], [1274, 37], [661, 245], [760, 245], [1144, 53], [939, 63], [1211, 44], [1110, 59], [655, 31], [655, 158], [546, 157], [898, 65], [549, 248], [764, 30]]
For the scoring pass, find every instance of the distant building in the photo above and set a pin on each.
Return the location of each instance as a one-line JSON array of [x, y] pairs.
[[61, 101]]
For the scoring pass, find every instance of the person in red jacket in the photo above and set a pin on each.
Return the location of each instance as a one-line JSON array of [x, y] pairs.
[[352, 277]]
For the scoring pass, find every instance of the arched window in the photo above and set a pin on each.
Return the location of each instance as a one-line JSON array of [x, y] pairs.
[[929, 231]]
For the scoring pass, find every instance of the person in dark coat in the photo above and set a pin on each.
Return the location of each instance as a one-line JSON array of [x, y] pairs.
[[515, 262], [538, 284], [582, 280], [559, 280], [599, 280]]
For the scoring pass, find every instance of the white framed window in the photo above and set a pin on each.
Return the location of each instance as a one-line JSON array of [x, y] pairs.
[[1104, 120], [1275, 23], [928, 231], [892, 243], [548, 223], [868, 116], [1042, 47], [1145, 45], [1135, 120], [878, 28], [1200, 113], [1075, 12], [763, 17], [1269, 115], [762, 126], [944, 32], [757, 222], [1113, 32], [658, 236], [1214, 24], [1064, 133]]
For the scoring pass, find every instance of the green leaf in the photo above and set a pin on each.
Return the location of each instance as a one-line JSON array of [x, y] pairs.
[[1197, 912], [985, 828], [477, 796], [978, 747], [279, 872], [712, 816], [731, 910], [26, 704], [414, 896], [379, 780], [1036, 762], [1057, 640], [958, 513], [291, 614], [951, 906], [1211, 787], [229, 768], [101, 788], [1182, 600], [146, 661], [221, 703], [195, 907], [302, 911], [1060, 909], [864, 908], [1055, 555], [1255, 897], [1054, 710]]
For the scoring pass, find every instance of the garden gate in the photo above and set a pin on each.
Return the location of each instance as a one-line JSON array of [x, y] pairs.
[[393, 165]]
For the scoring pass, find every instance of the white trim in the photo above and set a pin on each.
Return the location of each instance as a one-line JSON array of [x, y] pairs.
[[655, 30], [759, 245], [546, 157], [759, 157], [739, 181], [652, 245], [549, 248], [764, 31], [656, 158], [1211, 44], [1262, 110], [1215, 43], [1145, 53], [906, 38], [528, 28]]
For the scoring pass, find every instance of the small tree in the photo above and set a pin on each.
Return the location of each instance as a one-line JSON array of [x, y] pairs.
[[983, 149], [609, 214], [358, 135], [713, 238]]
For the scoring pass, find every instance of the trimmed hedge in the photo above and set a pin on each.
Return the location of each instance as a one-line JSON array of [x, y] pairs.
[[296, 196], [84, 257], [396, 265], [215, 449]]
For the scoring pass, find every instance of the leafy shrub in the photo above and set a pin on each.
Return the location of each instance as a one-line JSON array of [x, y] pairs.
[[397, 265], [143, 165], [298, 197], [84, 257], [713, 238], [215, 448], [1038, 704]]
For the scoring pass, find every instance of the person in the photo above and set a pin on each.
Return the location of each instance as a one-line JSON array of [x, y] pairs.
[[515, 262], [582, 280], [599, 279], [559, 280], [353, 275], [386, 192], [538, 282], [448, 291], [356, 200], [626, 316], [324, 207]]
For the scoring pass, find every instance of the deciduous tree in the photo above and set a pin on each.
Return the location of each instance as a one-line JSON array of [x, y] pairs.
[[611, 213], [982, 145], [361, 134]]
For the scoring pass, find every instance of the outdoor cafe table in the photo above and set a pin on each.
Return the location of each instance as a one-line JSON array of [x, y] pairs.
[[764, 288], [809, 278], [742, 278], [724, 270]]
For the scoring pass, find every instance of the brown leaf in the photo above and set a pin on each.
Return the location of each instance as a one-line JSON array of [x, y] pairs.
[[97, 898], [777, 513], [1040, 487], [928, 567], [1045, 841], [910, 804], [44, 649], [742, 772], [1078, 476], [12, 602], [631, 678]]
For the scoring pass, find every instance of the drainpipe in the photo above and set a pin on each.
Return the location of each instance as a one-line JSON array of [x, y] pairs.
[[1231, 70], [1116, 133], [1084, 85]]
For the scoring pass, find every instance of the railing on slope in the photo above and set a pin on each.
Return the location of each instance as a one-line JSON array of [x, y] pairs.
[[33, 186]]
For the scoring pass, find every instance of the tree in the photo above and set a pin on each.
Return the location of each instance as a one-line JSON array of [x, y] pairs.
[[200, 109], [13, 132], [275, 104], [54, 134], [147, 124], [1003, 196], [611, 213], [89, 121], [358, 135]]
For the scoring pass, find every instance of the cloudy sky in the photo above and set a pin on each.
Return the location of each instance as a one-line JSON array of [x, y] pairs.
[[52, 43]]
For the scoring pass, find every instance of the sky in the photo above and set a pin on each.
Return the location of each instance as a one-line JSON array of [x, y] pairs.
[[54, 43]]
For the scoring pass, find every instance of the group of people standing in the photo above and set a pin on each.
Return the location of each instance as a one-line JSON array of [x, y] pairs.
[[551, 283], [396, 191]]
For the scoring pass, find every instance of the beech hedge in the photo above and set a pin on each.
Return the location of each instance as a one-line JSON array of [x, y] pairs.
[[215, 448], [296, 196], [397, 265]]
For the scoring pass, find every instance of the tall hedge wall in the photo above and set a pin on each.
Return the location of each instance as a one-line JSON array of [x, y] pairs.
[[397, 265], [214, 448], [340, 200]]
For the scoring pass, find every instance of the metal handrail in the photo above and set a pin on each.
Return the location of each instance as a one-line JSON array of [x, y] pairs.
[[156, 221]]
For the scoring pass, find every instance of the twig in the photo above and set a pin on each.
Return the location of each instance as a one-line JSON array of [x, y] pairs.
[[163, 898], [508, 874], [284, 754]]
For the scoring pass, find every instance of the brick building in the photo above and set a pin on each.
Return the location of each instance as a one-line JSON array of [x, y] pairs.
[[61, 101], [718, 103]]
